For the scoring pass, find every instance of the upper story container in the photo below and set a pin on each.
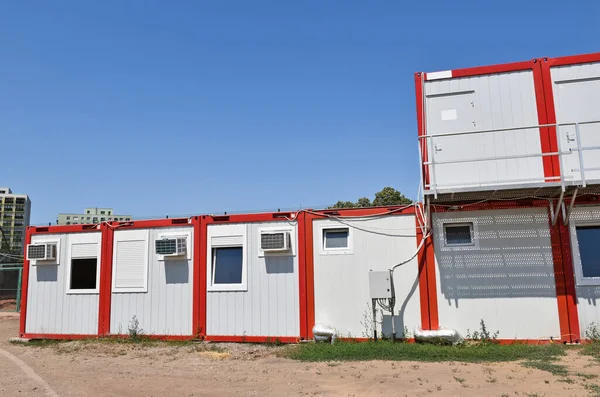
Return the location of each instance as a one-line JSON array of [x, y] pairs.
[[533, 124]]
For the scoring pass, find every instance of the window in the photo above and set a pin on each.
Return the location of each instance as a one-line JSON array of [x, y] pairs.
[[84, 269], [68, 223], [102, 219], [127, 219], [83, 273], [68, 217], [227, 265], [109, 213], [88, 211], [101, 212], [458, 234], [95, 220], [336, 238], [588, 271], [88, 218]]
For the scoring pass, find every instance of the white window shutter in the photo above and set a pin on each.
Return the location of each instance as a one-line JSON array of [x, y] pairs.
[[84, 250], [227, 241], [130, 261]]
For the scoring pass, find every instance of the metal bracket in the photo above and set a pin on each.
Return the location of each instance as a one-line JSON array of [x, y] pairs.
[[555, 212], [566, 219]]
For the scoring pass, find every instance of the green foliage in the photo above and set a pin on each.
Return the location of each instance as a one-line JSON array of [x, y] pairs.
[[591, 349], [388, 350], [554, 369], [386, 197], [390, 196], [135, 332], [592, 332], [482, 335]]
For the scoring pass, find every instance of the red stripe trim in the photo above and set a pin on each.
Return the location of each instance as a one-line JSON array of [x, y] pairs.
[[202, 286], [310, 274], [569, 281], [105, 294], [547, 135], [423, 290], [421, 126], [559, 280], [302, 275], [198, 295], [25, 283], [252, 339], [574, 59], [58, 336]]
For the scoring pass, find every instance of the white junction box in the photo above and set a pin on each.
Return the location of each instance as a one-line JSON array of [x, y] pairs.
[[380, 285]]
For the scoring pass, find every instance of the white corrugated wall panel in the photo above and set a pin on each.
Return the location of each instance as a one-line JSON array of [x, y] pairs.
[[341, 280], [588, 296], [166, 307], [483, 102], [505, 279], [50, 310], [270, 305], [576, 91]]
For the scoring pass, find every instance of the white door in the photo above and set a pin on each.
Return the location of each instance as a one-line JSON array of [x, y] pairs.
[[448, 113], [576, 101]]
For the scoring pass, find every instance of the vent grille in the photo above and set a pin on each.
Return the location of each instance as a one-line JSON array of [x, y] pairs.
[[171, 246], [41, 251], [278, 241], [36, 251]]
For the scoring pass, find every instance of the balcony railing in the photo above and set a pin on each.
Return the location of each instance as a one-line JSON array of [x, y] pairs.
[[573, 172]]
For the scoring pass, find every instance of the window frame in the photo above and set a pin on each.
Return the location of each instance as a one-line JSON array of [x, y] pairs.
[[580, 280], [458, 224], [348, 250], [238, 230], [91, 238]]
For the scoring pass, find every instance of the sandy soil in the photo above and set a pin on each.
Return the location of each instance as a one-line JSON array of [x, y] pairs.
[[116, 369]]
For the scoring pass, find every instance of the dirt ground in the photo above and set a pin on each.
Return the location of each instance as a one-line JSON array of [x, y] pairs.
[[116, 369]]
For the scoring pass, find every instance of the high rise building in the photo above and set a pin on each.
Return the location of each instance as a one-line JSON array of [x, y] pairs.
[[90, 216], [15, 210]]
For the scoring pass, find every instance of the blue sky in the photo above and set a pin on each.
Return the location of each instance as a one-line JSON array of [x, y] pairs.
[[156, 107]]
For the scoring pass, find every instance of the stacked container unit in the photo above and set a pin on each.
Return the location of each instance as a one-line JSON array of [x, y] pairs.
[[505, 150]]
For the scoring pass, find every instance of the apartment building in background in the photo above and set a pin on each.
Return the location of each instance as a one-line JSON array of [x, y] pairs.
[[15, 211], [90, 216]]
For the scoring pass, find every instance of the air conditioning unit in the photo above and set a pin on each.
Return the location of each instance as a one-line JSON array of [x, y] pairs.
[[41, 252], [175, 246], [275, 241]]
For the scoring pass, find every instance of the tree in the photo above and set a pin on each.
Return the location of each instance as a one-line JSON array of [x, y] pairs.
[[387, 196]]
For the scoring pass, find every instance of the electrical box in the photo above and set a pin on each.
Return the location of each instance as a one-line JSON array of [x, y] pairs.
[[380, 285]]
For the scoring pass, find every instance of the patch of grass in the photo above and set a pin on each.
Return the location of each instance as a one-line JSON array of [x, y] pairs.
[[566, 380], [592, 350], [459, 380], [42, 342], [593, 389], [554, 369], [586, 376], [387, 350]]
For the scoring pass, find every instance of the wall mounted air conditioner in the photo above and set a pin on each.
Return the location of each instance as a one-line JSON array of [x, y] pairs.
[[275, 241], [41, 252], [174, 246]]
